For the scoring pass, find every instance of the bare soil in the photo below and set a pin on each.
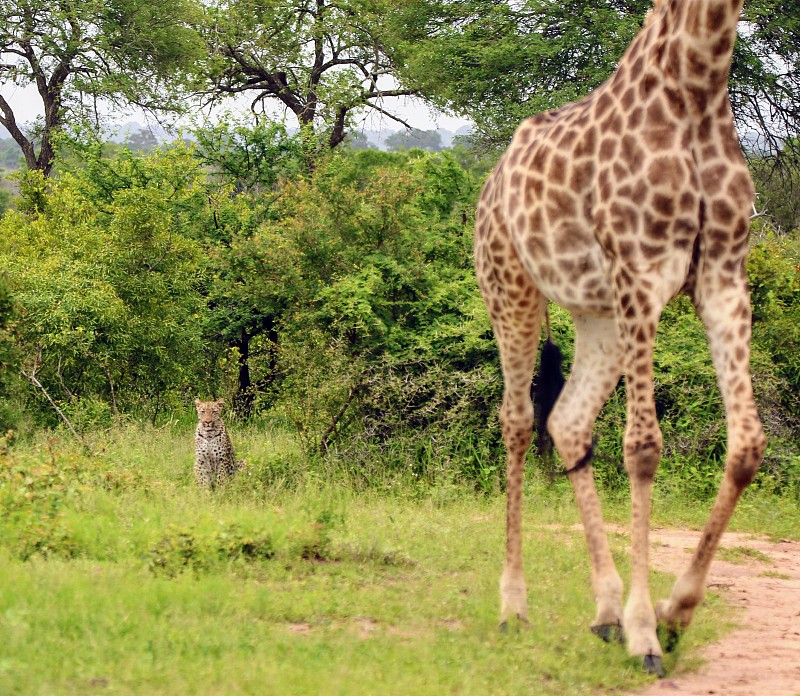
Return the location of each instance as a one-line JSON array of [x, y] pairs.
[[761, 657]]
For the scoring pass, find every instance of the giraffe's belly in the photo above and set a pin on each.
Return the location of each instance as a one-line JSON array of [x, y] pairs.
[[569, 268]]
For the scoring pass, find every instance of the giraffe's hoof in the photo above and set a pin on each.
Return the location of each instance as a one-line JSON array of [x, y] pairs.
[[669, 637], [652, 665], [523, 622], [609, 633]]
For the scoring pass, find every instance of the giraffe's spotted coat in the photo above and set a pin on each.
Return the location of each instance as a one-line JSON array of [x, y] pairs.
[[610, 207]]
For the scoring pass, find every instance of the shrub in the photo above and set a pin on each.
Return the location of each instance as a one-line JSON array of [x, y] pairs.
[[109, 282], [33, 494], [181, 550]]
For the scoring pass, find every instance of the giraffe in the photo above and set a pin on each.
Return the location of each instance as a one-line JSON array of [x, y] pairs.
[[610, 207]]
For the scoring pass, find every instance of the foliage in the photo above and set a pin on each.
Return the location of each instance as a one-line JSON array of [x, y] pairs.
[[74, 52], [323, 61], [357, 140], [775, 288], [252, 158], [32, 498], [778, 189], [384, 254], [113, 306], [143, 140], [10, 156], [406, 140], [8, 317], [9, 356], [252, 265], [180, 550], [499, 62], [765, 80], [340, 300], [774, 269]]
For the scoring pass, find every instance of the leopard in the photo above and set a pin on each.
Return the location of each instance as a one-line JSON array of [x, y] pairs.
[[215, 461]]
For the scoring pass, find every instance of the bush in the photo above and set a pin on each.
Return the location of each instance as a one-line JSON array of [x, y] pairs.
[[181, 550], [109, 281], [33, 495], [9, 356]]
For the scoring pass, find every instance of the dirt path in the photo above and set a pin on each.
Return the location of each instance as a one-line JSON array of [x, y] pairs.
[[762, 656]]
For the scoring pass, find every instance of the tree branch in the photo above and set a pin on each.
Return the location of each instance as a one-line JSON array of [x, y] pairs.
[[31, 377], [389, 115], [323, 443], [9, 122]]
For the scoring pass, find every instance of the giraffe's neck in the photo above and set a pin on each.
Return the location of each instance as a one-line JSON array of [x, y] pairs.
[[706, 27], [691, 42]]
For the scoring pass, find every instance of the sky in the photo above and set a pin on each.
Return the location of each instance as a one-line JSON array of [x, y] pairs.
[[27, 105]]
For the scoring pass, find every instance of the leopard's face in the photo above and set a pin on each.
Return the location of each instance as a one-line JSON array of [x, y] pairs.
[[208, 413]]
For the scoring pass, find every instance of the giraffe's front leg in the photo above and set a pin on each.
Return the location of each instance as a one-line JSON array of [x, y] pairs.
[[513, 597], [724, 308], [642, 453], [641, 459]]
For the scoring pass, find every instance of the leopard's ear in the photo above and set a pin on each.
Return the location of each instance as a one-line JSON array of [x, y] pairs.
[[197, 402], [220, 402]]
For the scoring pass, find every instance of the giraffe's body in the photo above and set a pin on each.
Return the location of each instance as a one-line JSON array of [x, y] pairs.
[[610, 207]]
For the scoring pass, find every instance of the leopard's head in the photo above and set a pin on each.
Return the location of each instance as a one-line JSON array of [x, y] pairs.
[[208, 412]]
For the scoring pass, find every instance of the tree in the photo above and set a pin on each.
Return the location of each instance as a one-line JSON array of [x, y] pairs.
[[778, 189], [322, 60], [251, 158], [387, 300], [8, 312], [109, 281], [10, 157], [765, 80], [357, 140], [407, 140], [253, 269], [78, 51], [142, 140], [499, 62]]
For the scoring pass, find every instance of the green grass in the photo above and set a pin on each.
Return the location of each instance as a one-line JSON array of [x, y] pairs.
[[120, 577], [742, 554]]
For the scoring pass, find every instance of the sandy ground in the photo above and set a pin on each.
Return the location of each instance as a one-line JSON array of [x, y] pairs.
[[762, 656]]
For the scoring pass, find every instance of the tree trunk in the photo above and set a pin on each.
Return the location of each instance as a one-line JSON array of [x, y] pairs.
[[245, 394], [338, 133]]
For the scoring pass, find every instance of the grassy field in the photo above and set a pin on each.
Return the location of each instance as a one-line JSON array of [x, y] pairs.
[[118, 576]]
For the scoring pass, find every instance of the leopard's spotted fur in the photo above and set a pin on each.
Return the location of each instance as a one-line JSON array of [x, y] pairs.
[[215, 460]]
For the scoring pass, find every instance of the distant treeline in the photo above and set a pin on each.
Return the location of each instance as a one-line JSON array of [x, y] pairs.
[[10, 156]]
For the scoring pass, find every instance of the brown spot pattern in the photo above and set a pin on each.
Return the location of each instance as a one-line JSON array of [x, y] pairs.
[[611, 206]]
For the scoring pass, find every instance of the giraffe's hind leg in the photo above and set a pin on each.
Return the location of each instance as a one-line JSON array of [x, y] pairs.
[[516, 309], [595, 372]]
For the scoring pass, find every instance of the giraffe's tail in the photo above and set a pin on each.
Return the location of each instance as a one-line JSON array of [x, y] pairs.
[[546, 389]]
